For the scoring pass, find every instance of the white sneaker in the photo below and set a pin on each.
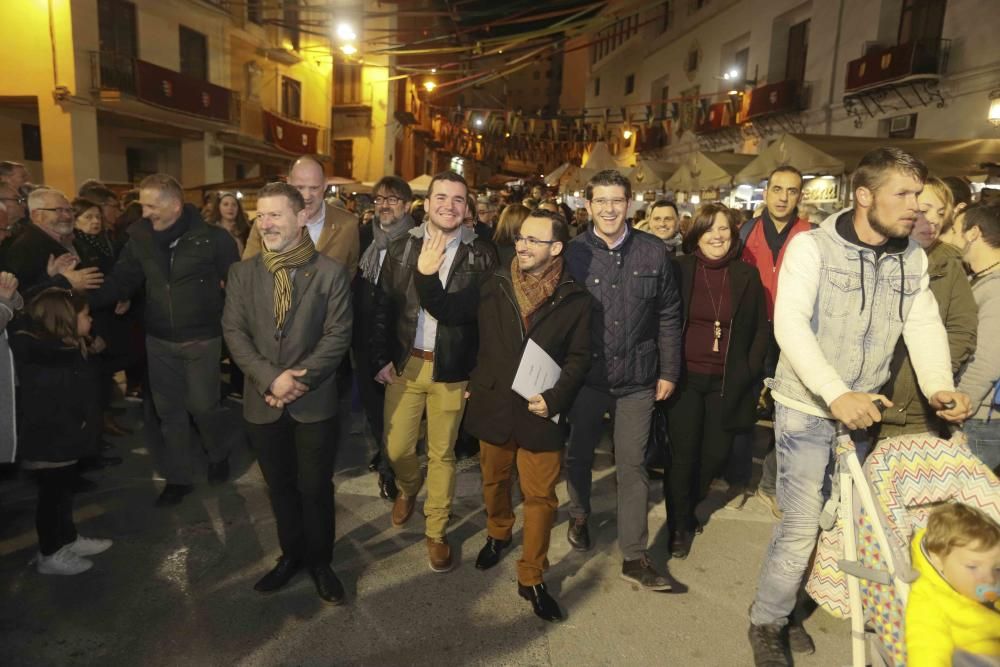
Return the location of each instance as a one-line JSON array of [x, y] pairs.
[[63, 561], [89, 546]]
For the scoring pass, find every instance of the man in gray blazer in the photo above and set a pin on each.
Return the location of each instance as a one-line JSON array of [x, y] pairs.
[[287, 324]]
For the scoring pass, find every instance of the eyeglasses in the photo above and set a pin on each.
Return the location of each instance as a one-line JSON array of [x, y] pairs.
[[273, 216], [391, 201], [61, 209], [532, 241], [619, 202]]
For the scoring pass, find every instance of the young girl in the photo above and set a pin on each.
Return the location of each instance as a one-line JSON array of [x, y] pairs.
[[58, 416]]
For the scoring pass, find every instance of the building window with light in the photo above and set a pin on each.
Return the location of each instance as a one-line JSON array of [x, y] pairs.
[[347, 83], [291, 98]]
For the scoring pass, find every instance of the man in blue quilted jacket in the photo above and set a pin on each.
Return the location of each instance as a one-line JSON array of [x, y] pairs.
[[635, 326]]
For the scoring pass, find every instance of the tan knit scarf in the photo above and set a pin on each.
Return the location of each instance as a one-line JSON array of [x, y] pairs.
[[279, 264], [532, 291]]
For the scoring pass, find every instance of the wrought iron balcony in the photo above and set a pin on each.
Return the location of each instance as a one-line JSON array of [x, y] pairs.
[[161, 87]]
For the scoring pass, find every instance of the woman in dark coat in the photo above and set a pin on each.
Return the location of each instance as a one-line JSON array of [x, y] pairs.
[[97, 248], [725, 339]]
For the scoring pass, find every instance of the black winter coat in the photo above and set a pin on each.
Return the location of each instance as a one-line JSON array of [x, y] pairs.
[[494, 412], [27, 258], [397, 306], [58, 415], [184, 294], [749, 335], [635, 321]]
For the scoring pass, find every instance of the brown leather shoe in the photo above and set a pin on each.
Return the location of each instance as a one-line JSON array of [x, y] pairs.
[[439, 554], [402, 509]]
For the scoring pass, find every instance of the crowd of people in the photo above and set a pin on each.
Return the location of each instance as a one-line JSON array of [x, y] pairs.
[[684, 331]]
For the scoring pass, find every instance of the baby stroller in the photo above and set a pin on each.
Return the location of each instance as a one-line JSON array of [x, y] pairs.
[[862, 566]]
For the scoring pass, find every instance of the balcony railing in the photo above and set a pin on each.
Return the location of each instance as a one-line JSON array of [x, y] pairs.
[[886, 66], [162, 87], [775, 98]]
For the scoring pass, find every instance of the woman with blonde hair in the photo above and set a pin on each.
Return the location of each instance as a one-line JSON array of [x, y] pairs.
[[938, 207], [507, 228]]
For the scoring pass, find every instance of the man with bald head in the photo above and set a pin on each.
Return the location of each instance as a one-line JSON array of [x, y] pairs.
[[333, 230]]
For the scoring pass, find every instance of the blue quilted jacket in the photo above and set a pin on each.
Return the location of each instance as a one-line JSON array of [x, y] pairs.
[[635, 319]]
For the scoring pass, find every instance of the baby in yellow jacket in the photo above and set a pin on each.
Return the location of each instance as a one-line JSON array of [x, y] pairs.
[[951, 616]]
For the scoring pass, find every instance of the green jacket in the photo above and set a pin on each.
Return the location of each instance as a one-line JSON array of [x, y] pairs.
[[910, 412]]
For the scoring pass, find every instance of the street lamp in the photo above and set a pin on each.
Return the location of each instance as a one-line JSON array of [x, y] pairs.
[[429, 85], [994, 115], [346, 33], [348, 49], [627, 134]]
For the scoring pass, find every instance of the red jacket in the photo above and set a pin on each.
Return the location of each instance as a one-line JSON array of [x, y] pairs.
[[758, 254]]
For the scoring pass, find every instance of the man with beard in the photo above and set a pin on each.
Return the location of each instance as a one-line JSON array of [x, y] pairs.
[[531, 297], [846, 293], [287, 323], [392, 221], [424, 363]]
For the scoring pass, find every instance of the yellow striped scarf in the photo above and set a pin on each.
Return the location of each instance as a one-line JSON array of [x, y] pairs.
[[279, 264]]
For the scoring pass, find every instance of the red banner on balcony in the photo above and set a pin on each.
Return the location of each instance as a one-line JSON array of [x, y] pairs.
[[780, 97], [289, 135], [173, 90], [883, 66], [717, 117]]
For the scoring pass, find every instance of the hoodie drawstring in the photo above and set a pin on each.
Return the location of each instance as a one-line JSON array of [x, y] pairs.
[[902, 286], [861, 263]]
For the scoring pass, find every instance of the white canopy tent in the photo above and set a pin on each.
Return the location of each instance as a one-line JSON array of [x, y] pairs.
[[703, 171], [828, 155], [421, 184]]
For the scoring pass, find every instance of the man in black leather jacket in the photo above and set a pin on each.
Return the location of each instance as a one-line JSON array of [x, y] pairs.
[[425, 364]]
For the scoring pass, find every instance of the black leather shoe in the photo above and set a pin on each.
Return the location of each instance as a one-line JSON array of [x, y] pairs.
[[578, 535], [327, 584], [173, 494], [278, 577], [387, 487], [680, 544], [489, 555], [543, 604], [98, 462], [218, 472]]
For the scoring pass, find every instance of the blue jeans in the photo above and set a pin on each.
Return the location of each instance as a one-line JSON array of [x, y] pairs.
[[804, 446], [984, 439]]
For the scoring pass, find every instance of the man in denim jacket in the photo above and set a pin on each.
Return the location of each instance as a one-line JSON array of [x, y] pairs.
[[846, 292]]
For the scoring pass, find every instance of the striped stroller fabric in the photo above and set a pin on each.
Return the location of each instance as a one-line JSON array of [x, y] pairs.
[[907, 475]]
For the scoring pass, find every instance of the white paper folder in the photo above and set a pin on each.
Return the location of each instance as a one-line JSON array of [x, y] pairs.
[[536, 373]]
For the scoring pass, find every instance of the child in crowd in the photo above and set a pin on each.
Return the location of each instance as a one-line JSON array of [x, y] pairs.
[[58, 416], [951, 616]]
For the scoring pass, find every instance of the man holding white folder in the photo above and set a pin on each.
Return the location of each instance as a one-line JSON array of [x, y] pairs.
[[534, 338]]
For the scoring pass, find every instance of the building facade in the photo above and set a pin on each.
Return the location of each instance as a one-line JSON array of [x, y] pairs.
[[206, 90], [728, 75]]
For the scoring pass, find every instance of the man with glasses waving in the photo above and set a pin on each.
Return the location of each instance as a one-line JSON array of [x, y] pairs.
[[635, 328]]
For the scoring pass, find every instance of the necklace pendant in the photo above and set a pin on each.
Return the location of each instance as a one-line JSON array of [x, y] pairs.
[[717, 334]]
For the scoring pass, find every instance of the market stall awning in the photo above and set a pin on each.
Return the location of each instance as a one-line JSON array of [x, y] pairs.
[[703, 170], [420, 184], [600, 158], [822, 155], [650, 174]]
